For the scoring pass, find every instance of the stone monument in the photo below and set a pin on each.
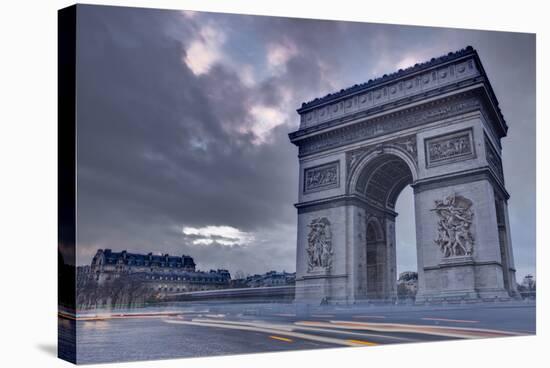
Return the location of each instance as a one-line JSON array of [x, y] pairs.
[[435, 126]]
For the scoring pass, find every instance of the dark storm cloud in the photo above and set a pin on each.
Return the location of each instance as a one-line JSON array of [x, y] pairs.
[[161, 146], [140, 110]]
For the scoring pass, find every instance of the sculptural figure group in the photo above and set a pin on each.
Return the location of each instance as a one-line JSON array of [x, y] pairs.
[[319, 245], [454, 226]]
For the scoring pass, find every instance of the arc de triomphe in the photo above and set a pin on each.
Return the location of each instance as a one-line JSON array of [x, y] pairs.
[[435, 126]]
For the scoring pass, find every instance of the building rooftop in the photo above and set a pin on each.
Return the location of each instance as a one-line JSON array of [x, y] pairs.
[[113, 257], [186, 274]]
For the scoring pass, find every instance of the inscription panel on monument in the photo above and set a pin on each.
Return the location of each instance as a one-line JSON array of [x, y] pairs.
[[326, 176], [449, 148]]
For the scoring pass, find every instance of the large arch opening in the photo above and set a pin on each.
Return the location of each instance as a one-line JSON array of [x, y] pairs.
[[376, 259], [380, 182], [405, 245], [382, 179]]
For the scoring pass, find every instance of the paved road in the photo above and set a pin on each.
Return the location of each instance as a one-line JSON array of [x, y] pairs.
[[210, 329]]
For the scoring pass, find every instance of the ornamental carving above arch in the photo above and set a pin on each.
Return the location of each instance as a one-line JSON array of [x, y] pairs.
[[406, 144]]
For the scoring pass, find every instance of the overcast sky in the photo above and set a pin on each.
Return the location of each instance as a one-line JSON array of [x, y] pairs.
[[183, 120]]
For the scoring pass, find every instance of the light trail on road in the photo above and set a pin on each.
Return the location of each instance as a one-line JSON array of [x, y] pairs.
[[354, 333], [280, 338], [376, 317], [368, 343], [216, 328], [456, 332], [322, 315], [448, 320], [273, 330], [297, 327]]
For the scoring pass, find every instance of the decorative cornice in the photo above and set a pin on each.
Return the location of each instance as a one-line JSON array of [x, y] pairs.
[[441, 75], [466, 176], [463, 264], [396, 121], [401, 73], [376, 111], [342, 200], [322, 276]]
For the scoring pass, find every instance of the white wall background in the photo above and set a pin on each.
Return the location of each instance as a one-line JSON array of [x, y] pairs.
[[28, 185]]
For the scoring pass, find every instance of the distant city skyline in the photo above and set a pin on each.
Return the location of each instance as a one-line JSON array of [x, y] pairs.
[[183, 120]]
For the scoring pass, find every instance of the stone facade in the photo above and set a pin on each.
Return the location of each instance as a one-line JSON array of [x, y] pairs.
[[435, 126], [322, 177], [123, 279], [268, 279], [107, 265]]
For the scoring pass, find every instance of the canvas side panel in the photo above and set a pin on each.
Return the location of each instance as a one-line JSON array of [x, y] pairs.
[[66, 183]]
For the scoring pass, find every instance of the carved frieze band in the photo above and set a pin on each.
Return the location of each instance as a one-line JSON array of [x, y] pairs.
[[326, 176], [393, 122], [449, 148], [493, 159], [407, 143], [415, 84]]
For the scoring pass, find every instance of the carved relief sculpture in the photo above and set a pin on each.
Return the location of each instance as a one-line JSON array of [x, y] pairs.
[[406, 143], [450, 147], [319, 249], [321, 177], [409, 145], [392, 122], [368, 96], [454, 226]]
